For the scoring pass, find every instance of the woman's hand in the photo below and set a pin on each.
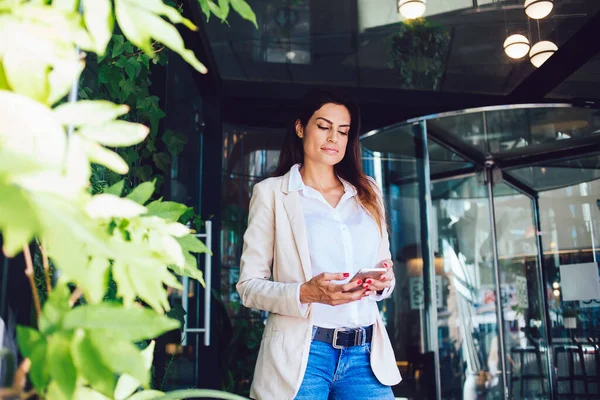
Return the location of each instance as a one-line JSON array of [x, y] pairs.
[[320, 289], [383, 281]]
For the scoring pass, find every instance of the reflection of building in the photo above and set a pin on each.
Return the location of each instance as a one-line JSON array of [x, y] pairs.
[[456, 279]]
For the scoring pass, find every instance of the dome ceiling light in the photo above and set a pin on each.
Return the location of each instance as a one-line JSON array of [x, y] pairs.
[[411, 9], [538, 9], [541, 51], [516, 46]]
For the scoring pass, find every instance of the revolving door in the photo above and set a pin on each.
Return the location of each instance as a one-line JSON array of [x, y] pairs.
[[493, 222]]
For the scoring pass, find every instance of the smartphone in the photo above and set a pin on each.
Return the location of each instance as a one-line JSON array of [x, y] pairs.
[[365, 273]]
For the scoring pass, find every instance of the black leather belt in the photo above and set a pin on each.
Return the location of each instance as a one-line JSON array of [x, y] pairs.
[[340, 338]]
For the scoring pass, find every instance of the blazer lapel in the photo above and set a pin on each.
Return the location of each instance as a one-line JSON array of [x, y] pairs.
[[293, 208]]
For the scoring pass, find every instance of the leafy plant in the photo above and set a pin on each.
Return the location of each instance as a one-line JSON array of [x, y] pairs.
[[570, 312], [418, 53], [86, 346]]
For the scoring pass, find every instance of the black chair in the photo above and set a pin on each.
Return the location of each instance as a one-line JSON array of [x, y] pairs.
[[571, 352], [523, 359]]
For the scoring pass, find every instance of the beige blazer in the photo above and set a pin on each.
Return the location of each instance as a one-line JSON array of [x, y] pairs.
[[275, 245]]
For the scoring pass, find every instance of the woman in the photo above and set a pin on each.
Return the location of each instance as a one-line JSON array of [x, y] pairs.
[[310, 229]]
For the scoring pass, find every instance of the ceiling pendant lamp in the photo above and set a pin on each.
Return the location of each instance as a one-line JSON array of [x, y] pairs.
[[538, 9], [516, 46], [411, 9], [541, 51]]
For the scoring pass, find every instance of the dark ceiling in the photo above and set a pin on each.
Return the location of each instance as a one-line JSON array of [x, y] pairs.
[[449, 61]]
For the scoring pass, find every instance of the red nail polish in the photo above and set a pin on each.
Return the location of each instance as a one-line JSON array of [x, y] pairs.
[[359, 282], [346, 274], [369, 281], [383, 278]]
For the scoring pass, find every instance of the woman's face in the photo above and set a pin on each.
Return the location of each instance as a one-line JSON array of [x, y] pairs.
[[325, 136]]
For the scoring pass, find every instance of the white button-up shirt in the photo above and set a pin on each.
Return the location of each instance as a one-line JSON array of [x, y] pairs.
[[340, 239]]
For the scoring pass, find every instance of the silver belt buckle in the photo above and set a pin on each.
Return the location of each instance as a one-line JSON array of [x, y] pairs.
[[335, 336]]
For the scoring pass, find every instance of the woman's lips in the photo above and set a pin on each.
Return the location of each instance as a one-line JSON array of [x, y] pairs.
[[329, 150]]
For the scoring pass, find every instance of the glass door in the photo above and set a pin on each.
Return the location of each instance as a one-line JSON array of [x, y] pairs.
[[527, 362], [467, 307]]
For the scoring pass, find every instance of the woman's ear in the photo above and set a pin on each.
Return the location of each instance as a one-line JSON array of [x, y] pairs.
[[299, 129]]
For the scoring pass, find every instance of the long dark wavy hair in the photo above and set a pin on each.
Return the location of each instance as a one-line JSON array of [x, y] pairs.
[[350, 168]]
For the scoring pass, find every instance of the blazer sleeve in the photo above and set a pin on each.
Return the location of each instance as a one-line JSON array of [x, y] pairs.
[[384, 245], [254, 286]]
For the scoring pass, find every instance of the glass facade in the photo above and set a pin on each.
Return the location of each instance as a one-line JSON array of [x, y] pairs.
[[457, 47], [513, 281]]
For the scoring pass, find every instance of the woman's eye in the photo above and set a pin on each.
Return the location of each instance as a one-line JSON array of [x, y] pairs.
[[343, 133], [322, 127]]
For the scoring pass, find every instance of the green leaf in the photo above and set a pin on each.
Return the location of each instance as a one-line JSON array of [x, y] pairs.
[[115, 133], [128, 384], [162, 161], [27, 75], [205, 8], [118, 47], [3, 82], [131, 156], [190, 269], [142, 193], [215, 9], [130, 324], [140, 26], [111, 160], [120, 355], [90, 276], [192, 244], [98, 17], [175, 142], [177, 312], [224, 6], [145, 60], [148, 282], [60, 363], [116, 189], [39, 372], [89, 112], [133, 68], [18, 218], [87, 359], [245, 11], [108, 206], [28, 339], [158, 7], [55, 307], [168, 210], [144, 173], [65, 5], [87, 393]]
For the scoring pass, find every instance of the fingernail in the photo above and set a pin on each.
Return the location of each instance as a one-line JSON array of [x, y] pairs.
[[346, 274], [383, 278], [369, 281], [365, 285], [385, 265], [359, 282], [367, 293]]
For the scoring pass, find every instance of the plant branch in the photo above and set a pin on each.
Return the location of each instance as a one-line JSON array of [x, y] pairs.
[[137, 53], [29, 272], [16, 390], [46, 267], [77, 293]]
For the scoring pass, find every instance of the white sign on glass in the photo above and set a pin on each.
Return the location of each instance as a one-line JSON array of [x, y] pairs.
[[580, 282]]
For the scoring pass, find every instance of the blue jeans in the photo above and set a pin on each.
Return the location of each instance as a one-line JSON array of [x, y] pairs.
[[333, 374]]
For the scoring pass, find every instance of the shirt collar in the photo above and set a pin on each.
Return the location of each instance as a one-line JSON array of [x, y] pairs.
[[296, 183]]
